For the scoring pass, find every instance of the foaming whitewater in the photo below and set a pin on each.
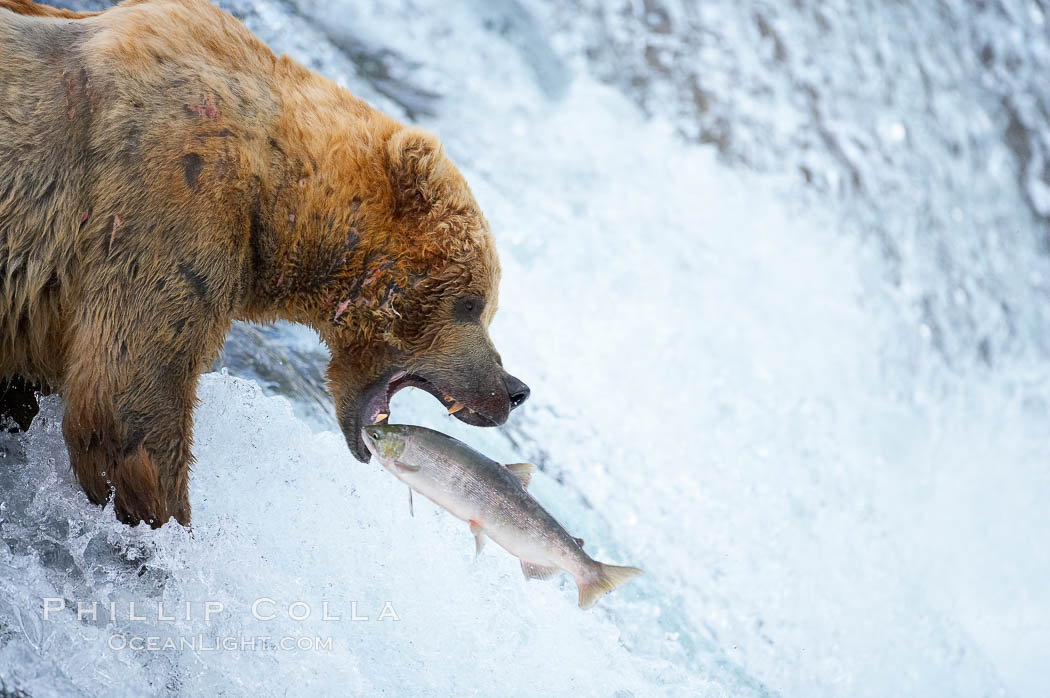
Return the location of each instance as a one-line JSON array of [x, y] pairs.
[[375, 601], [735, 387]]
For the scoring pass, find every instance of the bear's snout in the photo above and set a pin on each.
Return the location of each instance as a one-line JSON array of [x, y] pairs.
[[517, 391]]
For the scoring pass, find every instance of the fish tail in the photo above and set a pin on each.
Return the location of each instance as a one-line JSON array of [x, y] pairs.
[[608, 578]]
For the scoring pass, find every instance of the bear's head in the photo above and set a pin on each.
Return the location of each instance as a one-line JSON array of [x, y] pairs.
[[415, 295]]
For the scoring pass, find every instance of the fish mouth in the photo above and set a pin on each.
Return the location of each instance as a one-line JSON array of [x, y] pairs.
[[376, 407], [368, 442]]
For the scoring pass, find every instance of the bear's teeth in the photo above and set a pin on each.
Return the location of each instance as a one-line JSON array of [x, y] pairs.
[[381, 417], [456, 407]]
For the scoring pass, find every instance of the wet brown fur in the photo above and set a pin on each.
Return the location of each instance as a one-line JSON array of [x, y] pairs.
[[162, 173]]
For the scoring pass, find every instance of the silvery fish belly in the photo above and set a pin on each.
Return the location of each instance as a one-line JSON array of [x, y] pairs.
[[494, 500]]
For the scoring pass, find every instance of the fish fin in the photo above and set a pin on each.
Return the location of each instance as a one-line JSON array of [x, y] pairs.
[[579, 541], [408, 468], [479, 539], [532, 571], [608, 578], [522, 471], [411, 508]]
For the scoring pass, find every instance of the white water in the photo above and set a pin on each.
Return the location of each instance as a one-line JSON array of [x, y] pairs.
[[732, 388]]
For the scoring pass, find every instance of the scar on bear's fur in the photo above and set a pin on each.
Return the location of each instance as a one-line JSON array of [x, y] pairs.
[[195, 279], [204, 108], [162, 174], [113, 233], [191, 168]]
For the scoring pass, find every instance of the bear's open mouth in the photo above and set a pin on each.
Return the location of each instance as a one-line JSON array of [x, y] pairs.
[[375, 407], [377, 410]]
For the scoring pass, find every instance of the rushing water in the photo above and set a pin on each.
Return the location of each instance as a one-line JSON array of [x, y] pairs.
[[778, 276]]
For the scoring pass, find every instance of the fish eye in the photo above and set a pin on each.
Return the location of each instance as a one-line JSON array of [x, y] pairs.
[[375, 433]]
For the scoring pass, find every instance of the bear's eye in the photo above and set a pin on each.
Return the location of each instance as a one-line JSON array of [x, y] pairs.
[[468, 308]]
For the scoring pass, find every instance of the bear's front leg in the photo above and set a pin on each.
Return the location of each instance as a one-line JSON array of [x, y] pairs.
[[139, 457], [128, 423]]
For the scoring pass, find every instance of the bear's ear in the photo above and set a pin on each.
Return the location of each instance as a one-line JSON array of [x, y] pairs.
[[417, 170]]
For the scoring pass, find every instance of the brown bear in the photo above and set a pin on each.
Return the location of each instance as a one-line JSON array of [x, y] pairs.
[[163, 173]]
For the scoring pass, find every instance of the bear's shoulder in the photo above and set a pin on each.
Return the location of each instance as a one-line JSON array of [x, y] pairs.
[[141, 32]]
